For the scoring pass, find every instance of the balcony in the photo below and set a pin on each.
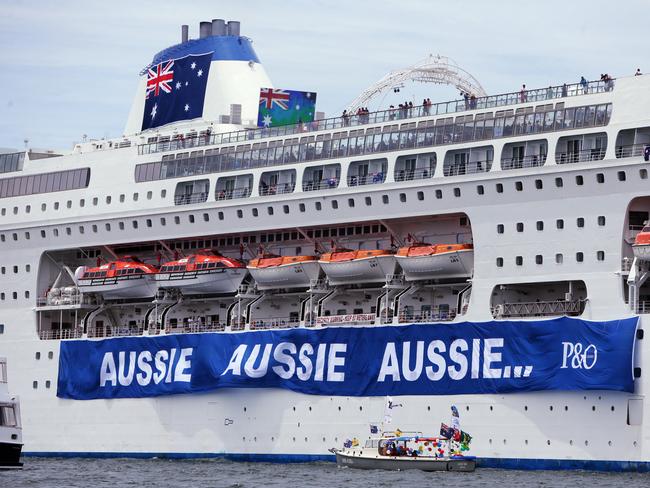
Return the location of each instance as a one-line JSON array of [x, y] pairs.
[[326, 184], [580, 156], [532, 161], [375, 179], [229, 194], [277, 189], [472, 167], [190, 198]]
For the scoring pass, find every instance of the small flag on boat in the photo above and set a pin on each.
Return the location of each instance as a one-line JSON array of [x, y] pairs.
[[446, 431]]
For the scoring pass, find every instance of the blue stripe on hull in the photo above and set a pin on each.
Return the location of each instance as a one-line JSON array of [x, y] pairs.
[[498, 463]]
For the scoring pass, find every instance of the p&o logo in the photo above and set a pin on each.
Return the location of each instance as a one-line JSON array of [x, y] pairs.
[[578, 356]]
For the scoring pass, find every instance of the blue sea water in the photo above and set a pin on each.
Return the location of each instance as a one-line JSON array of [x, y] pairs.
[[85, 473]]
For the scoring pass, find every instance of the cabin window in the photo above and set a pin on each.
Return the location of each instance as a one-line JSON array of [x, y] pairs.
[[438, 194], [499, 187], [539, 184], [206, 217], [420, 195], [121, 225], [148, 221], [559, 258], [301, 207], [402, 197], [384, 199], [600, 255], [177, 220], [135, 224], [108, 199], [559, 182], [318, 206], [456, 192], [520, 226], [135, 197], [580, 257], [519, 186], [643, 174], [149, 195], [220, 215], [600, 178], [122, 198], [579, 180], [190, 218], [499, 262], [269, 210], [601, 220], [335, 204], [580, 222], [559, 223], [500, 228], [540, 225], [519, 260], [621, 176], [480, 189], [351, 202], [539, 259], [285, 208]]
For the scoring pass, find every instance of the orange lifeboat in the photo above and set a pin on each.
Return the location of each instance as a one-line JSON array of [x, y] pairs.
[[127, 277], [204, 272], [270, 271], [641, 245], [422, 261], [345, 266]]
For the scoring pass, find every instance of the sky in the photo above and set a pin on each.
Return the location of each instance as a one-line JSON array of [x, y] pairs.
[[69, 68]]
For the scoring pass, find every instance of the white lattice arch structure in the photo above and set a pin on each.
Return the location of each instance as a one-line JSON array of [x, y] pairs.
[[437, 69]]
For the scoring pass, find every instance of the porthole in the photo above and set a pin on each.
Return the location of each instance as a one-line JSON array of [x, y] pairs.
[[480, 189], [206, 217], [490, 441], [600, 255], [301, 207], [539, 259], [519, 186], [122, 198], [439, 194], [526, 441], [361, 408], [148, 223], [571, 442], [601, 220], [643, 174], [269, 210], [121, 225], [580, 257], [428, 408], [37, 355], [339, 408], [499, 187], [43, 234], [548, 442], [190, 218], [384, 199], [220, 215], [550, 408], [48, 383], [580, 222], [526, 408], [310, 408], [559, 182], [318, 206], [566, 408], [586, 443], [621, 176], [240, 213], [256, 213], [420, 195], [402, 197], [294, 409], [500, 228], [244, 409], [499, 262], [163, 193], [519, 260], [609, 443], [35, 384], [593, 408], [559, 223], [467, 408], [520, 226], [456, 192], [163, 221], [335, 204], [491, 408], [600, 178], [368, 201], [540, 225], [580, 180], [50, 355], [539, 184], [612, 408], [285, 209]]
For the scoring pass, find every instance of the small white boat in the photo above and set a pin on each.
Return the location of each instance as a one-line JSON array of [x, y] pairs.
[[343, 266], [271, 272], [641, 246], [411, 451], [427, 262], [202, 273], [11, 435], [127, 277]]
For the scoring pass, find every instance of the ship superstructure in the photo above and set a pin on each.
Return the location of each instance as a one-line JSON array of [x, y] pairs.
[[517, 207]]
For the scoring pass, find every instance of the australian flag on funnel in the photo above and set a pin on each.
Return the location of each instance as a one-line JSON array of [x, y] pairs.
[[176, 90]]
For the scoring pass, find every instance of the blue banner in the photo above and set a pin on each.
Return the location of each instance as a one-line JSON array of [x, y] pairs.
[[419, 359], [176, 90]]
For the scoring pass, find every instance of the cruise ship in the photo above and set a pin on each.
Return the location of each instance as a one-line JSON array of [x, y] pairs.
[[207, 287]]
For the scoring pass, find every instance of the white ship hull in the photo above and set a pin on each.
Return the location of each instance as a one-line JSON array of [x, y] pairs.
[[203, 282], [444, 265], [363, 270], [293, 275], [120, 288]]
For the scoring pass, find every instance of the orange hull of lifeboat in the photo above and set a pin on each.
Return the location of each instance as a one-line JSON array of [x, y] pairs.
[[363, 266], [202, 273], [434, 261], [124, 278], [641, 245], [271, 272]]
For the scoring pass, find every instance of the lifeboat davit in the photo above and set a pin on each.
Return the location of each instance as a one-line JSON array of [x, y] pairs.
[[270, 271], [204, 272], [423, 261], [641, 246], [127, 277], [344, 266]]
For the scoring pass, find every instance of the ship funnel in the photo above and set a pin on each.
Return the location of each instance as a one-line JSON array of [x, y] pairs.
[[205, 29], [233, 28], [185, 31], [218, 27]]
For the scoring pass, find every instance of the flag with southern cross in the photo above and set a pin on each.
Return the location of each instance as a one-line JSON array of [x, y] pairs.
[[284, 107], [176, 90]]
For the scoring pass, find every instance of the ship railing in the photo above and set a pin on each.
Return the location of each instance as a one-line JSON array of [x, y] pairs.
[[539, 309], [442, 108], [643, 307], [243, 192], [274, 323], [326, 184], [394, 279], [434, 314], [54, 299], [471, 167], [190, 198], [119, 331], [416, 174], [626, 264], [196, 327], [277, 189], [55, 334], [374, 179], [631, 150], [580, 156], [531, 161]]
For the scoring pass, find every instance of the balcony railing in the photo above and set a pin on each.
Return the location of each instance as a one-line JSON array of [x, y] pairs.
[[455, 169], [51, 335], [277, 189], [454, 106], [327, 184], [121, 331], [539, 309], [190, 198], [274, 323], [366, 180], [416, 174], [435, 314], [531, 161], [243, 192], [631, 150], [196, 327], [580, 156]]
